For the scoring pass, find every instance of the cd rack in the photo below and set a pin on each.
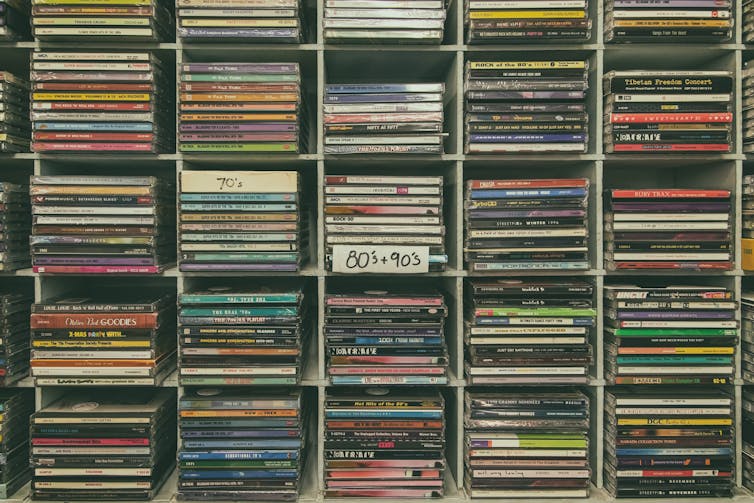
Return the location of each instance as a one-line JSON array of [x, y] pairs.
[[322, 63]]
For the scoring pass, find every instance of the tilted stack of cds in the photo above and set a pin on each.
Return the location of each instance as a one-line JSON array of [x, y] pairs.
[[747, 106], [383, 443], [526, 225], [384, 118], [113, 340], [528, 332], [671, 21], [15, 309], [259, 21], [533, 445], [668, 111], [747, 434], [747, 30], [527, 21], [668, 229], [15, 226], [16, 406], [101, 102], [385, 338], [242, 221], [670, 335], [15, 128], [747, 337], [241, 107], [385, 210], [14, 20], [381, 22], [669, 444], [526, 106], [122, 21], [102, 224], [79, 451], [242, 444], [231, 337]]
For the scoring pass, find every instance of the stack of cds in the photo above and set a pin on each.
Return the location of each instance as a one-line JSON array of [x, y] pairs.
[[527, 21], [385, 338], [15, 128], [122, 21], [15, 309], [231, 337], [668, 111], [668, 229], [747, 223], [261, 21], [526, 106], [670, 335], [747, 337], [533, 445], [241, 107], [747, 104], [80, 450], [748, 438], [16, 406], [101, 102], [102, 224], [14, 20], [526, 225], [669, 444], [528, 332], [747, 29], [242, 221], [671, 21], [384, 118], [241, 444], [117, 341], [15, 226], [385, 210], [377, 21], [383, 443]]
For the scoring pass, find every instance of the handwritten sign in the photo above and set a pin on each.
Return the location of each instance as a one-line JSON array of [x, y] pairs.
[[357, 259]]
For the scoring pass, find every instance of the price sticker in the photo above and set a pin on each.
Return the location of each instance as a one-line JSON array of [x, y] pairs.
[[356, 259]]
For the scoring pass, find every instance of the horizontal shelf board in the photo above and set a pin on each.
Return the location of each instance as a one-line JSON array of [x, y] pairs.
[[391, 157], [308, 271], [680, 272], [587, 272], [544, 46], [74, 156], [551, 157], [450, 273], [673, 157], [394, 47], [247, 157], [240, 46]]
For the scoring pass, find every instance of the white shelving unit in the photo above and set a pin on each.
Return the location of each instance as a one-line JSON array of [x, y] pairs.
[[327, 63]]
